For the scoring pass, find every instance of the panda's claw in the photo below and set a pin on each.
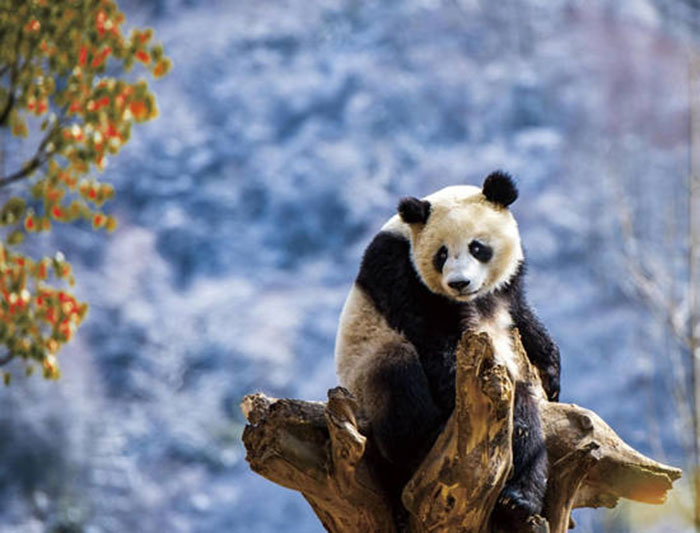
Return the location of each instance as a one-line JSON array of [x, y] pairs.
[[552, 382], [512, 509]]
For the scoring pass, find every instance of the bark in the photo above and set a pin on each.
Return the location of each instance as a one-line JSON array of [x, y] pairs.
[[320, 450]]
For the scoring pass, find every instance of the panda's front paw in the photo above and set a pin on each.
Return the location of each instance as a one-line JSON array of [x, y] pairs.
[[551, 385], [512, 510]]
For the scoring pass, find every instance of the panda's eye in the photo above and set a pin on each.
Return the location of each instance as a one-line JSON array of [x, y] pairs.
[[439, 258], [480, 251]]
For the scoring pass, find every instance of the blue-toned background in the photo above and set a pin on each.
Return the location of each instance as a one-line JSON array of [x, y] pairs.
[[288, 131]]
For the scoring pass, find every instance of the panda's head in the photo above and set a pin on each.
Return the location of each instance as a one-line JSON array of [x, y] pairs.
[[464, 241]]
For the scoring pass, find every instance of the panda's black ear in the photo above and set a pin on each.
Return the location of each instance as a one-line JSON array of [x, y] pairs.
[[412, 210], [500, 188]]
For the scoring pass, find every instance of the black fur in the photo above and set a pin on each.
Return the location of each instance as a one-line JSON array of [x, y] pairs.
[[388, 277], [486, 305], [439, 258], [402, 436], [523, 494], [481, 251], [500, 189], [418, 392], [412, 210], [539, 346]]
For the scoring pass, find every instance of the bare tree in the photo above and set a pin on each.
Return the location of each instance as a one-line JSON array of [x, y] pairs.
[[693, 323], [669, 283]]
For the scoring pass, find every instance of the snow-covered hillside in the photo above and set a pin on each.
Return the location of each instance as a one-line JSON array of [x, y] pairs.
[[288, 131]]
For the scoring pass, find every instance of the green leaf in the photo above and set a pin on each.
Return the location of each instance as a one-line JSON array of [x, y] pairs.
[[13, 210], [56, 52], [16, 237]]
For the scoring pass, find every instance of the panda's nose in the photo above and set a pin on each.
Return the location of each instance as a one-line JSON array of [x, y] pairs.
[[459, 285]]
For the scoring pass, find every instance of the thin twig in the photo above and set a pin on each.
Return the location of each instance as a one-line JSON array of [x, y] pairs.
[[14, 72], [650, 291], [693, 271], [8, 107], [40, 157], [34, 163]]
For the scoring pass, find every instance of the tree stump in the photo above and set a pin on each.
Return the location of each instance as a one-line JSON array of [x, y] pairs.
[[320, 450]]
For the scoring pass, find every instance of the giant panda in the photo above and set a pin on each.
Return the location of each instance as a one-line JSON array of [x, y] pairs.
[[447, 263]]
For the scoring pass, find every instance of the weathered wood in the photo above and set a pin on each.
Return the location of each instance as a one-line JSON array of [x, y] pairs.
[[566, 477], [620, 472], [458, 483], [319, 450]]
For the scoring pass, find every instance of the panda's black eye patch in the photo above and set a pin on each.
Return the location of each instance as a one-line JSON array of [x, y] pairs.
[[481, 251], [439, 258]]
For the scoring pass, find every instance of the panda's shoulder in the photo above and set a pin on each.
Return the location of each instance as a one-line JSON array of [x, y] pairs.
[[386, 257], [388, 277], [396, 227]]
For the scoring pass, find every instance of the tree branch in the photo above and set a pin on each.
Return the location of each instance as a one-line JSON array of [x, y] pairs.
[[40, 157], [8, 107], [567, 475], [14, 72], [320, 450], [445, 499]]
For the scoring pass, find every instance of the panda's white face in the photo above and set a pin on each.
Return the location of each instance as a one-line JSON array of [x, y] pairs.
[[468, 247], [464, 268]]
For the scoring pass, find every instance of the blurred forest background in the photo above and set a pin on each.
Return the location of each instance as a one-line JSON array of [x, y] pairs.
[[288, 131]]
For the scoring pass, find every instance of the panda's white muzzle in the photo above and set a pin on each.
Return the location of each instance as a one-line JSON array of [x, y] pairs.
[[463, 276]]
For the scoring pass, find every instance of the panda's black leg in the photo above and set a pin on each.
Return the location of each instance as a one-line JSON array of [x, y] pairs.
[[404, 418], [523, 494]]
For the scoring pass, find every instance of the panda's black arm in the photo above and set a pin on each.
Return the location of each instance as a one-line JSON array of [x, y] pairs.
[[540, 348], [542, 351]]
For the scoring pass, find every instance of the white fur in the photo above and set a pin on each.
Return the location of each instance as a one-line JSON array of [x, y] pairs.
[[362, 332], [499, 328], [464, 266]]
